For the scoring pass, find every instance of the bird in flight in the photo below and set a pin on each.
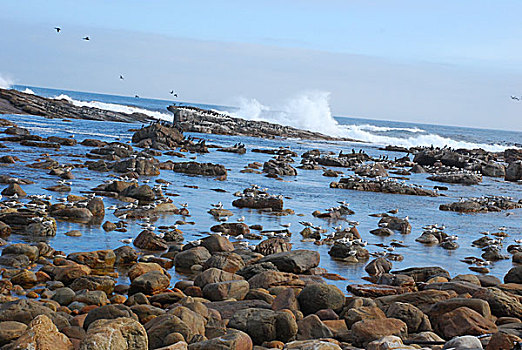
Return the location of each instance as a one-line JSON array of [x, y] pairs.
[[87, 38], [172, 93], [515, 98], [57, 29], [121, 77], [136, 96]]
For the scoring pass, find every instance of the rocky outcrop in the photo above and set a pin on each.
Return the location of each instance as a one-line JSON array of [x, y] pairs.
[[388, 186]]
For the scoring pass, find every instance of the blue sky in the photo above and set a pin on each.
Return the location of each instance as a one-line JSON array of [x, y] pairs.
[[453, 62]]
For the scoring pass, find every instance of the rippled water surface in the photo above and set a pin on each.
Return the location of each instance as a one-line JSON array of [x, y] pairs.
[[309, 191]]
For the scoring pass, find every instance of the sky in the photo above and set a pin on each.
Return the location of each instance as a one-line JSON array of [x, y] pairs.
[[438, 62]]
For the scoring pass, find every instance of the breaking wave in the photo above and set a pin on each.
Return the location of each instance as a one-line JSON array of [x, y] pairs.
[[5, 83], [115, 107], [311, 111]]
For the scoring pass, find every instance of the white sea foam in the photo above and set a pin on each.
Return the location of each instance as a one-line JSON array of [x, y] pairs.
[[115, 107], [28, 91], [311, 111], [5, 82]]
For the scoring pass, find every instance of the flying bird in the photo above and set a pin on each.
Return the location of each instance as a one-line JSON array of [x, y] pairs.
[[86, 38], [121, 77], [172, 93], [57, 29], [515, 98]]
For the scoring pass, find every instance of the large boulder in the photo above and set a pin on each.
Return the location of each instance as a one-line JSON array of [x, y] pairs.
[[514, 171], [99, 259], [514, 275], [296, 261], [315, 297], [149, 283], [366, 331], [149, 241], [502, 304], [226, 290], [194, 256], [24, 311], [463, 321], [265, 325], [121, 333], [108, 312], [42, 334], [233, 339]]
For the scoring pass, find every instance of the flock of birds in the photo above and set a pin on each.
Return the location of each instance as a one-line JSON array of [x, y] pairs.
[[87, 38]]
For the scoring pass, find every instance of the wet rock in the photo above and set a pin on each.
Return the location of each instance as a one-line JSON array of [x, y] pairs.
[[141, 166], [270, 278], [121, 333], [160, 136], [422, 299], [265, 325], [99, 259], [149, 283], [149, 241], [457, 178], [233, 229], [82, 215], [377, 290], [371, 170], [141, 193], [423, 274], [481, 205], [100, 283], [315, 297], [125, 255], [270, 202], [514, 275], [493, 169], [378, 266], [382, 231], [194, 168], [273, 245], [297, 261], [217, 243], [14, 189], [213, 275], [30, 251], [367, 331], [42, 334], [226, 261], [514, 171], [279, 168], [396, 224], [391, 186], [194, 256], [140, 268]]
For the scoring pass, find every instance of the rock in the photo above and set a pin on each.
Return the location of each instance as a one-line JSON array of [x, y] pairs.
[[5, 230], [514, 171], [357, 314], [108, 312], [257, 202], [42, 334], [141, 166], [149, 241], [30, 251], [99, 259], [141, 268], [217, 243], [101, 283], [121, 333], [194, 168], [414, 318], [149, 283], [311, 345], [233, 339], [422, 299], [371, 170], [82, 215], [226, 261], [378, 266], [442, 307], [213, 275], [297, 261], [423, 274], [502, 304], [14, 260], [11, 330], [376, 290], [279, 168], [96, 207], [25, 311], [265, 325], [92, 297], [514, 275], [315, 297], [68, 273], [396, 224], [367, 331], [64, 296], [109, 226], [226, 290], [502, 341], [466, 342], [14, 189], [161, 326], [194, 256], [493, 169], [270, 278], [233, 228], [125, 255], [25, 278], [273, 245], [141, 193], [457, 178], [311, 327], [463, 321]]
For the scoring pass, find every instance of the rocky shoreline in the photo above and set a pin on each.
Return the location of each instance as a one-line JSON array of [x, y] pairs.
[[240, 286], [195, 119]]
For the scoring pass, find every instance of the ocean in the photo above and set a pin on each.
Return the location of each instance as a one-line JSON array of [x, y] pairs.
[[306, 192]]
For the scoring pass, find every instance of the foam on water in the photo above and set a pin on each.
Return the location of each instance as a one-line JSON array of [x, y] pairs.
[[28, 91], [311, 111], [115, 107]]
